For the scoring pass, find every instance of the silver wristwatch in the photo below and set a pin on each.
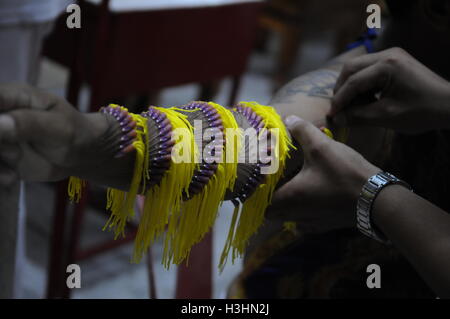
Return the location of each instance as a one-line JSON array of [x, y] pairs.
[[369, 192]]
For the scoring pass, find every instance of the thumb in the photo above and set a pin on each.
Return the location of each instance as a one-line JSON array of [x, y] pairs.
[[305, 133]]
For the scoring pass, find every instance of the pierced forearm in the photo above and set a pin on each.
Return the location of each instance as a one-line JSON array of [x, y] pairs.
[[420, 230], [186, 161]]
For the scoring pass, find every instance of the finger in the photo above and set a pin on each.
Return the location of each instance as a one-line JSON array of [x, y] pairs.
[[355, 65], [360, 115], [305, 133], [8, 132], [15, 96], [367, 81]]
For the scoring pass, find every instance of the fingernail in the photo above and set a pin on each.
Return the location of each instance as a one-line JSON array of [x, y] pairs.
[[340, 119], [291, 120]]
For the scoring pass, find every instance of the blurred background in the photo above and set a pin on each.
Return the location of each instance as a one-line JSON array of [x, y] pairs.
[[166, 53]]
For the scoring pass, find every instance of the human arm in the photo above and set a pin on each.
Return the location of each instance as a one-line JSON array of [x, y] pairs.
[[391, 89], [309, 96], [421, 232], [57, 141], [329, 185]]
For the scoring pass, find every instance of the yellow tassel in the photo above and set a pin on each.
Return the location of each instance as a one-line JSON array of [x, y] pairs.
[[200, 212], [121, 203], [229, 240], [186, 223], [162, 205], [252, 215], [75, 188]]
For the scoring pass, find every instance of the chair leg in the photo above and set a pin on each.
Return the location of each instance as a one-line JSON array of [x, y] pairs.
[[208, 90], [56, 268], [195, 281], [290, 42], [235, 85], [55, 277], [151, 275], [74, 237]]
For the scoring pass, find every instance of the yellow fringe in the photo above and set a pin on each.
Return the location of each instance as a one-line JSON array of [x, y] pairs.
[[252, 215], [200, 212], [119, 202], [229, 240], [163, 202], [75, 188], [186, 223]]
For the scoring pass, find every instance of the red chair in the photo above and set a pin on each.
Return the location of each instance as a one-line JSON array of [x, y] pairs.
[[119, 54]]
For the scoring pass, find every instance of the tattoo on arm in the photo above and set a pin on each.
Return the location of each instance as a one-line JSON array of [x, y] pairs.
[[317, 83]]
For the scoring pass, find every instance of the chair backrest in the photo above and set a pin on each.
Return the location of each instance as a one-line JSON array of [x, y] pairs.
[[134, 52]]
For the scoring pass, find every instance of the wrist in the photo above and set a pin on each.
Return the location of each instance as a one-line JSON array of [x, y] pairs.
[[381, 215], [371, 190], [360, 179]]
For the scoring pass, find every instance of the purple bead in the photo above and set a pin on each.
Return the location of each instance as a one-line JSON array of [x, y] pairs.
[[163, 124], [168, 144], [165, 130], [215, 123], [163, 139], [210, 112], [159, 118], [162, 158], [164, 152], [213, 117], [127, 129], [125, 121], [127, 138]]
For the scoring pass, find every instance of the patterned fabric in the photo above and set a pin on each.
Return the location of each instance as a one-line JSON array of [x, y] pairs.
[[330, 265]]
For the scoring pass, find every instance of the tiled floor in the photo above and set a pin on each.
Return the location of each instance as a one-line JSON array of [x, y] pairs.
[[111, 275]]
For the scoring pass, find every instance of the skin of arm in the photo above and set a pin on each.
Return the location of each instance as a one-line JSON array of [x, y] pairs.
[[85, 151], [420, 230], [57, 141]]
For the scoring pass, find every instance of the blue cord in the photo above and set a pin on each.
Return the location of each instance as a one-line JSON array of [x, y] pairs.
[[365, 40]]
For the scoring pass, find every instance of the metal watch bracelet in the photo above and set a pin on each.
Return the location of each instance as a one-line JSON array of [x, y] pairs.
[[364, 205]]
